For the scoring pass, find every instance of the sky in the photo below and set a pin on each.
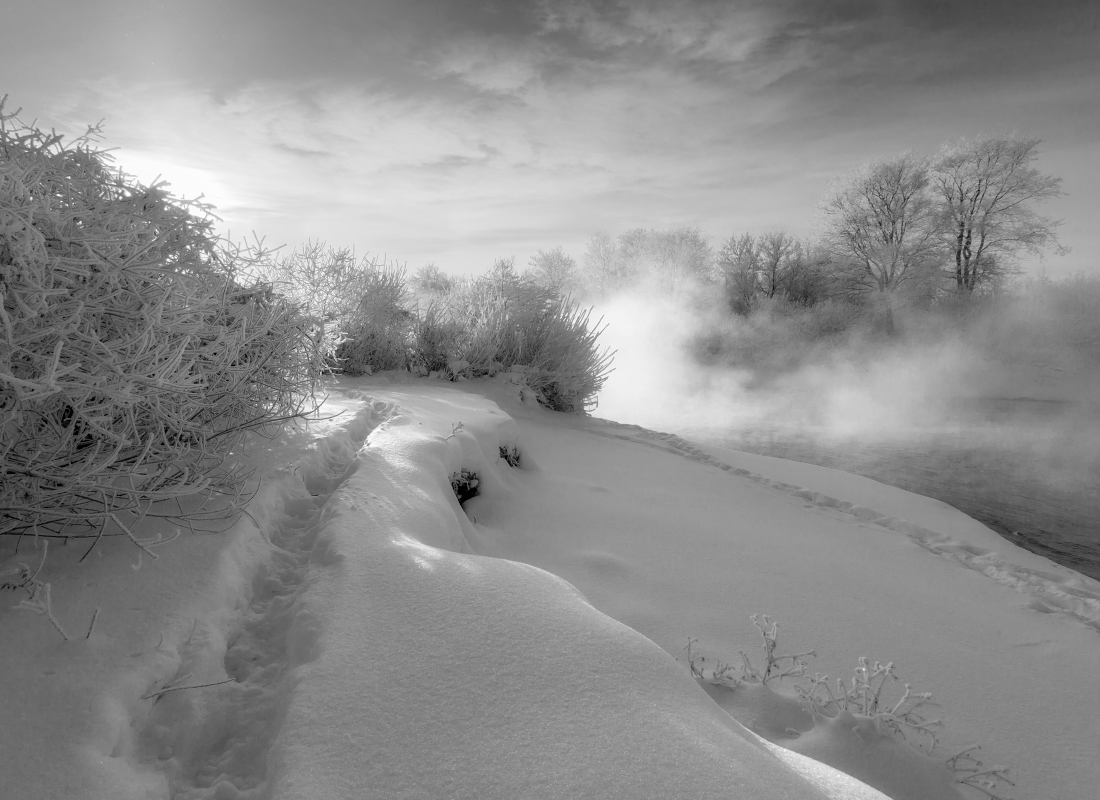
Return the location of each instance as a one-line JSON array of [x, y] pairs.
[[456, 132]]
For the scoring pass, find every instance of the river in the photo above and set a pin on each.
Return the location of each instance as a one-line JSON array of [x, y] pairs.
[[1027, 469]]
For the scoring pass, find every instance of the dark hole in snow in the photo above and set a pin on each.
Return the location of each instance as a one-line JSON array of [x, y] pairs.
[[510, 453], [464, 484]]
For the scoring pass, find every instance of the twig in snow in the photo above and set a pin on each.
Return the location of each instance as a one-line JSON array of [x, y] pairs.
[[39, 603], [91, 625], [971, 773], [171, 688]]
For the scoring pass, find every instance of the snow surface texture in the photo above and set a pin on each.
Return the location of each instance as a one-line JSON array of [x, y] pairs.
[[362, 635]]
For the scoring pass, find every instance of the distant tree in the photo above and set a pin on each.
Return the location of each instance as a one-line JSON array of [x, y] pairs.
[[603, 267], [885, 229], [738, 263], [685, 256], [555, 270], [503, 276], [638, 254], [776, 249], [805, 281], [432, 280], [986, 187], [672, 258]]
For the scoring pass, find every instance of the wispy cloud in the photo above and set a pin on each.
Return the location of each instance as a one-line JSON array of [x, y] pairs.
[[460, 130]]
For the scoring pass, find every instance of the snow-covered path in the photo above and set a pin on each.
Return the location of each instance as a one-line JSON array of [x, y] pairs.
[[371, 638]]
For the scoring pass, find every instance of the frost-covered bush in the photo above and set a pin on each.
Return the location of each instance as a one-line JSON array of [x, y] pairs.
[[434, 339], [132, 354], [365, 320], [356, 307], [320, 281], [514, 321], [377, 329]]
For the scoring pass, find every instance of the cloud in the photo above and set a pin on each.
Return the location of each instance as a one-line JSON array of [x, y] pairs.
[[386, 123]]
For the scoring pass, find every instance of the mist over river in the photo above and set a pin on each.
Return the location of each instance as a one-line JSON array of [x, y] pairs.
[[1028, 469]]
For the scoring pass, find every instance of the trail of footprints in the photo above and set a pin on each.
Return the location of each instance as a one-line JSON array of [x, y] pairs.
[[1078, 597], [214, 743]]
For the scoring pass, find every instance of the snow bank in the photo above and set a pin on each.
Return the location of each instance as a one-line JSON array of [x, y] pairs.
[[443, 673]]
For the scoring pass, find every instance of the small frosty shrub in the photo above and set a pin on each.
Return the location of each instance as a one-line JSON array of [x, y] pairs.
[[970, 771], [133, 357], [775, 665], [863, 695], [861, 703], [464, 484]]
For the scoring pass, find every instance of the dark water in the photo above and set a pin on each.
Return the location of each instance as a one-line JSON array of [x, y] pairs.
[[1027, 469]]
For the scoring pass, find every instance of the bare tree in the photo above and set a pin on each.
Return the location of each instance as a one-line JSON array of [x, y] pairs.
[[986, 186], [738, 263], [604, 267], [805, 279], [430, 279], [776, 248], [502, 276], [671, 258], [555, 270], [686, 256], [882, 221]]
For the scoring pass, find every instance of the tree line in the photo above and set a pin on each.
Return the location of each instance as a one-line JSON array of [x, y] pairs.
[[906, 230]]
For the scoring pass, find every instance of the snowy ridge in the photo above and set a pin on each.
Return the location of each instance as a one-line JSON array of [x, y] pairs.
[[441, 673], [1075, 595]]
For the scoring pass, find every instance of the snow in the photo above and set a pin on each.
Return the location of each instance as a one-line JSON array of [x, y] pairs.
[[364, 635]]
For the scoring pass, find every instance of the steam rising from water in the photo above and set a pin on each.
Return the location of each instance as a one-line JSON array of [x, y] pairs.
[[1011, 437], [855, 385]]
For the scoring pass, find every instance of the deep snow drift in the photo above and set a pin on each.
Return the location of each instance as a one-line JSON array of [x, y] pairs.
[[359, 634]]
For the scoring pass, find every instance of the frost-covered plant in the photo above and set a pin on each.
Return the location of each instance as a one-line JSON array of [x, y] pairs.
[[969, 771], [775, 665], [464, 484], [377, 329], [505, 320], [356, 307], [38, 592], [722, 674], [321, 282], [434, 339], [133, 353], [510, 453], [364, 320], [863, 695]]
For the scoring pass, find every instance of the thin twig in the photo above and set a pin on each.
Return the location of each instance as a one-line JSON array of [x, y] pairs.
[[91, 626], [180, 688]]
